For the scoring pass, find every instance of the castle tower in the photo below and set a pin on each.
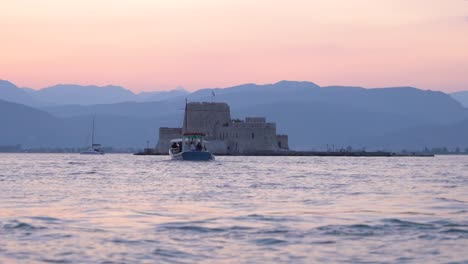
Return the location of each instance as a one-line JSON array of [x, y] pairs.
[[204, 117]]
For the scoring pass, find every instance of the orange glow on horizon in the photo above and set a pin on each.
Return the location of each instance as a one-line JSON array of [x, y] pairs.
[[157, 45]]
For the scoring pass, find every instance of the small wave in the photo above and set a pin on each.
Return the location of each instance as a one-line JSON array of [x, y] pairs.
[[17, 225], [83, 172], [45, 218], [349, 230], [198, 227], [448, 200], [56, 260], [444, 223], [149, 213], [269, 241], [265, 218], [325, 242], [416, 213], [75, 163], [274, 231], [88, 229], [404, 224], [456, 231], [265, 185], [297, 176], [172, 253], [427, 231], [191, 228], [58, 236], [125, 241], [404, 259]]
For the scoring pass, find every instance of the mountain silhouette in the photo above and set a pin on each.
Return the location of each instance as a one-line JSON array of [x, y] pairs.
[[10, 92], [312, 116], [461, 97]]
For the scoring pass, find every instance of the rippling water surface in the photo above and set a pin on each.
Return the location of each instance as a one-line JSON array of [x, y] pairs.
[[147, 209]]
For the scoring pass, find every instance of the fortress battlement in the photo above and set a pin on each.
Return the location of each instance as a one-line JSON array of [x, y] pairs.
[[243, 124], [226, 136]]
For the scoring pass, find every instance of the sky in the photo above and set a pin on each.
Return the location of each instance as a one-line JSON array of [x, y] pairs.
[[149, 45]]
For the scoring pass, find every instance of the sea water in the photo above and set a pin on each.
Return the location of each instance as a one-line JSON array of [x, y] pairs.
[[67, 208]]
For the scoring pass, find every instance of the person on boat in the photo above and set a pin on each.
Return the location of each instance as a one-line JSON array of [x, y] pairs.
[[175, 147], [199, 147]]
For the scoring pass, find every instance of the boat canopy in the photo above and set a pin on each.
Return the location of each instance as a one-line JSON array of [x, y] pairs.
[[177, 140], [194, 134]]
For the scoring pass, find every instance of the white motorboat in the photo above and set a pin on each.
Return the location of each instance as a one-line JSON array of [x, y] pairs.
[[190, 147]]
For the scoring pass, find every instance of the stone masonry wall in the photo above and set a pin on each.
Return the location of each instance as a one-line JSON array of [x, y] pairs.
[[205, 117], [224, 135], [249, 137], [165, 136]]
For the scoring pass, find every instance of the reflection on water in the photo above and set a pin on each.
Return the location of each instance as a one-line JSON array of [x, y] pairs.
[[146, 209]]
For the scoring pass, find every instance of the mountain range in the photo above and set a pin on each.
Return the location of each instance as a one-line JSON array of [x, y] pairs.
[[461, 97], [313, 116], [71, 94]]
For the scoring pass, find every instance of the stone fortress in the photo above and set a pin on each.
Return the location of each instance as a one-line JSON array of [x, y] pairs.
[[225, 135]]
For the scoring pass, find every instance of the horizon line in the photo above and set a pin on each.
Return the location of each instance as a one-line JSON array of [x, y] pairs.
[[181, 87]]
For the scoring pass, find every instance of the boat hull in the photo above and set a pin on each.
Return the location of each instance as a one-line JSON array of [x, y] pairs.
[[193, 156], [91, 153]]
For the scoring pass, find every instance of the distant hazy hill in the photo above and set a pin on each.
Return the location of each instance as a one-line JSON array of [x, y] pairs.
[[72, 94], [64, 94], [461, 97], [10, 92], [20, 124], [313, 116], [450, 136], [429, 106], [162, 95], [127, 109], [318, 124]]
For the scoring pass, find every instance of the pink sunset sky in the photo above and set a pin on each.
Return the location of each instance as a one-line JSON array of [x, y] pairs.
[[148, 45]]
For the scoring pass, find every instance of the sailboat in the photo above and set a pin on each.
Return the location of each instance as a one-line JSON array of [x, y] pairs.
[[94, 149]]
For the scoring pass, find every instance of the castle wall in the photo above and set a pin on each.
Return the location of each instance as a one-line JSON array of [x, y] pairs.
[[206, 117], [165, 136], [255, 120], [217, 146], [249, 137], [224, 135]]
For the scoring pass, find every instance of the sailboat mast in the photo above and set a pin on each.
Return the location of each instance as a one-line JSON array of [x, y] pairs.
[[185, 116], [92, 134]]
